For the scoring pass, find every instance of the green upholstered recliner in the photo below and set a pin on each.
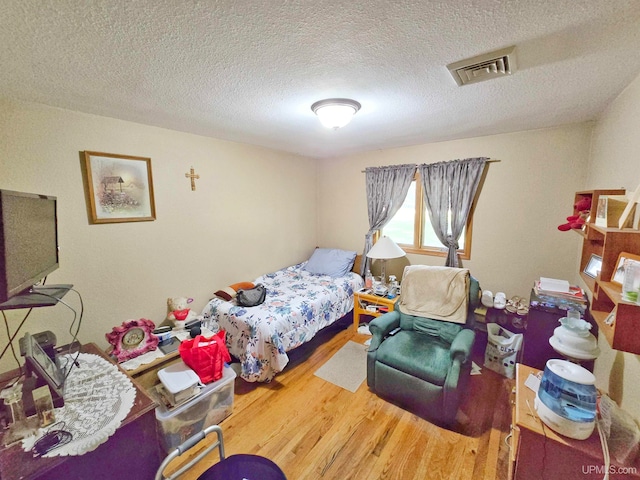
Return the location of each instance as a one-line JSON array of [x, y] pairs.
[[426, 365]]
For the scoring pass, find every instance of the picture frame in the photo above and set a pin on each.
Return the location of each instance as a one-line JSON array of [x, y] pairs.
[[38, 362], [617, 276], [594, 265], [119, 188]]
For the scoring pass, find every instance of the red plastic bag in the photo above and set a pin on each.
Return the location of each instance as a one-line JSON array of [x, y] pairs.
[[206, 356]]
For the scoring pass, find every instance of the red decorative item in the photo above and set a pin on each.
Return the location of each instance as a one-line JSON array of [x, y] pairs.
[[581, 210], [132, 338], [181, 314], [206, 356], [583, 205]]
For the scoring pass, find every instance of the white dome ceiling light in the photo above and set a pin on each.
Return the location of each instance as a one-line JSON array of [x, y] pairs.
[[335, 112]]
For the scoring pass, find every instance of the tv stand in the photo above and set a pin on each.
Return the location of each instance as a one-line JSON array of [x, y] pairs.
[[39, 296]]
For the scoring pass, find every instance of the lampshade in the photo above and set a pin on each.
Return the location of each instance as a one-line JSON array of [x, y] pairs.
[[335, 112], [386, 248]]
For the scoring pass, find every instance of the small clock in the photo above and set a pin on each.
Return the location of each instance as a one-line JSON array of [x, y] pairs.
[[132, 338]]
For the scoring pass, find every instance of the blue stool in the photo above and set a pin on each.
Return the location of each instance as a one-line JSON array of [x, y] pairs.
[[234, 467]]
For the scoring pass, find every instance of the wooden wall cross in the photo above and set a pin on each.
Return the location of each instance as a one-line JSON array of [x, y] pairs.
[[192, 175]]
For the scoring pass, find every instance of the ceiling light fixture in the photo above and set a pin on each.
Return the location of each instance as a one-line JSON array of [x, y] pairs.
[[335, 112]]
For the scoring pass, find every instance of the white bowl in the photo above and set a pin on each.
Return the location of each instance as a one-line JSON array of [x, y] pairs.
[[573, 344]]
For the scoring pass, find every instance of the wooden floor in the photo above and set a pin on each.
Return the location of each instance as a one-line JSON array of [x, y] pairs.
[[316, 430]]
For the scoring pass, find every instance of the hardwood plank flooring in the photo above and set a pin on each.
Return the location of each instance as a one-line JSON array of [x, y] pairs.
[[316, 430]]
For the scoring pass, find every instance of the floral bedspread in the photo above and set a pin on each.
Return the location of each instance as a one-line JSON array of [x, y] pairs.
[[297, 306]]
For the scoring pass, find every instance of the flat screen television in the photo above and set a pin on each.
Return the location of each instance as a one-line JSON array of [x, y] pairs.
[[28, 241]]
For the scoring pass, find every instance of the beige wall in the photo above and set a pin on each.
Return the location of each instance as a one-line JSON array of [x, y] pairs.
[[614, 164], [525, 197], [254, 211]]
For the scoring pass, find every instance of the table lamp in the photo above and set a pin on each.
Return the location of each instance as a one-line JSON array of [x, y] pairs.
[[385, 249]]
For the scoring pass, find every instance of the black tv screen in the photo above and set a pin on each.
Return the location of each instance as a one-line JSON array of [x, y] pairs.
[[28, 240]]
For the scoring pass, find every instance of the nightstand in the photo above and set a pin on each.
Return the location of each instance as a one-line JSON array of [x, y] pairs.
[[375, 302]]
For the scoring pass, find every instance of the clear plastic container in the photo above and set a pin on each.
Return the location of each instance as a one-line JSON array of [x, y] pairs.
[[16, 409], [631, 280], [210, 407], [393, 287], [368, 280]]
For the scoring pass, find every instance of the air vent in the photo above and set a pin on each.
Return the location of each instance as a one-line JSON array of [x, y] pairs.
[[484, 67]]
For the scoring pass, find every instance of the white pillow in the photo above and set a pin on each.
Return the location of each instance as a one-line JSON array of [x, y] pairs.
[[330, 261]]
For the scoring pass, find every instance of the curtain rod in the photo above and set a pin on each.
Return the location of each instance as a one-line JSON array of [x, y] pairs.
[[488, 161]]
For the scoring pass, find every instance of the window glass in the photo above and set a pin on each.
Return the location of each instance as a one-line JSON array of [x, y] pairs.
[[401, 227], [429, 237], [411, 228]]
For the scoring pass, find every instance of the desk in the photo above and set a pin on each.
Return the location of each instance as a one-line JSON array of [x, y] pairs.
[[131, 452], [361, 300], [538, 452]]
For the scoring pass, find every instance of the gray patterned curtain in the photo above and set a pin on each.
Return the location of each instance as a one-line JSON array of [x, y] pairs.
[[450, 186], [387, 188]]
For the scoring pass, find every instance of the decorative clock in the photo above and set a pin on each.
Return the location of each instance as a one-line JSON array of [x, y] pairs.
[[132, 338]]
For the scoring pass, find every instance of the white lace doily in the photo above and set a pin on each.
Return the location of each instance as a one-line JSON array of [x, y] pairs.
[[97, 398], [143, 359]]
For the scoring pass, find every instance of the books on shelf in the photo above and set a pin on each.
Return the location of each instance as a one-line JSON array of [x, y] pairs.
[[559, 288]]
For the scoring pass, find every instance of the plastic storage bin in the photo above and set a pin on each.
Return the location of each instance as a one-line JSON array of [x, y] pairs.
[[179, 381], [214, 404]]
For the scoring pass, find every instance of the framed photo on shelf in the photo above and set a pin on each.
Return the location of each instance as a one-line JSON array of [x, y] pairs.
[[618, 274], [119, 188], [593, 267]]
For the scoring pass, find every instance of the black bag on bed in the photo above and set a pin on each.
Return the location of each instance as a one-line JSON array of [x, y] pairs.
[[252, 296]]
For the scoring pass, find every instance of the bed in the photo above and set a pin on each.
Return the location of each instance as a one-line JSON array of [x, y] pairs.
[[299, 303]]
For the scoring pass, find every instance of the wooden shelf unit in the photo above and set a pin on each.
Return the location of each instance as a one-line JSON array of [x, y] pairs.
[[608, 243], [594, 195]]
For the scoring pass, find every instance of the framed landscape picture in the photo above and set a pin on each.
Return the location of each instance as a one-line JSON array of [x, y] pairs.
[[120, 188]]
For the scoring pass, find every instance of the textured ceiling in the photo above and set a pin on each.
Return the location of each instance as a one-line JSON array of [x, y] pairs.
[[249, 70]]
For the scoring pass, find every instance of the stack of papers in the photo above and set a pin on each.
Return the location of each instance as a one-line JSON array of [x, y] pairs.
[[559, 288]]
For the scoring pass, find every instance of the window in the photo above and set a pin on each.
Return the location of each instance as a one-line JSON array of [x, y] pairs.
[[411, 228]]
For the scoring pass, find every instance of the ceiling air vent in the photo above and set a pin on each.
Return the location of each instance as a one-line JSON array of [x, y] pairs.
[[484, 67]]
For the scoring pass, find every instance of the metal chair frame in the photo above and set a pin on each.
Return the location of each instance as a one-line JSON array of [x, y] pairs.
[[188, 444]]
